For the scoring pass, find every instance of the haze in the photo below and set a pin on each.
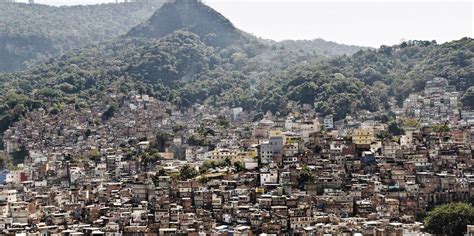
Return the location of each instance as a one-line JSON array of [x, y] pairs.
[[369, 23]]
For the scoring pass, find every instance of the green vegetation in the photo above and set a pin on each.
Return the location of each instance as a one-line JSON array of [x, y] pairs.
[[203, 179], [182, 69], [210, 164], [440, 128], [187, 172], [450, 219], [413, 123], [222, 121], [34, 31], [19, 156], [468, 98], [160, 141], [305, 177], [109, 113], [6, 161], [239, 166], [150, 157], [260, 76], [395, 129], [319, 47], [213, 28]]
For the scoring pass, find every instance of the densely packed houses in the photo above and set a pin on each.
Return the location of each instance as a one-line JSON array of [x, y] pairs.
[[150, 168]]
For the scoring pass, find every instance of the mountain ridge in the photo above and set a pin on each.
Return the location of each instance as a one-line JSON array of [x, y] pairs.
[[212, 27], [34, 32], [181, 66]]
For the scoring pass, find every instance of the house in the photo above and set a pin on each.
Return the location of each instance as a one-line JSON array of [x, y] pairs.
[[268, 177], [362, 136], [329, 122]]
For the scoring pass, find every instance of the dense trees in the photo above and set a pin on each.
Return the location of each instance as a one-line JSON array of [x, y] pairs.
[[213, 28], [318, 47], [257, 75], [187, 172], [34, 31], [14, 106], [395, 129], [182, 69], [468, 98], [178, 56], [450, 219], [109, 113]]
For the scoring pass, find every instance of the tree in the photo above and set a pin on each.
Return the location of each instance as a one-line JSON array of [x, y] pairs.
[[450, 219], [222, 121], [20, 155], [440, 128], [150, 157], [160, 141], [468, 98], [5, 160], [37, 37], [94, 155], [87, 133], [196, 140], [204, 179], [305, 177], [206, 165], [54, 111], [383, 136], [227, 162], [239, 166], [411, 123], [109, 113], [394, 129], [187, 172]]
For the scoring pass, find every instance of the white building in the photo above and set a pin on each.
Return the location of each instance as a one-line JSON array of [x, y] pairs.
[[329, 122], [269, 177]]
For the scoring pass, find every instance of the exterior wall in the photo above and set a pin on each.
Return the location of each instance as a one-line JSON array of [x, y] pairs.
[[362, 136]]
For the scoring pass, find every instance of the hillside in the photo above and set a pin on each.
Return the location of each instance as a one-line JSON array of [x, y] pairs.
[[34, 31], [193, 16], [254, 74], [321, 47], [182, 69]]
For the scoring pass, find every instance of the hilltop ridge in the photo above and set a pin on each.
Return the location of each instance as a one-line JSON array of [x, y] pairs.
[[190, 15], [32, 32]]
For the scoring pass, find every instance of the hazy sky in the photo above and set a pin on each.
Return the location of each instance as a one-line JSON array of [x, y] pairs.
[[367, 23]]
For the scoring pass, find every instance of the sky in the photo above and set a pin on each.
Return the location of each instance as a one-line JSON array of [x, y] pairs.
[[355, 22]]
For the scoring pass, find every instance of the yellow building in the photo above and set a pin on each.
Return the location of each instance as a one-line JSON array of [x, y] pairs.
[[292, 139], [252, 153], [221, 154], [362, 136], [275, 133]]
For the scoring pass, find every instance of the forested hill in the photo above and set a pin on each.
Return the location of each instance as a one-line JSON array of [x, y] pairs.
[[258, 75], [34, 31], [193, 16], [321, 47], [182, 69], [216, 30]]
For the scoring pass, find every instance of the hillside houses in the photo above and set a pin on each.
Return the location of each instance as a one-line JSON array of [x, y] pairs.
[[437, 103], [154, 169]]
